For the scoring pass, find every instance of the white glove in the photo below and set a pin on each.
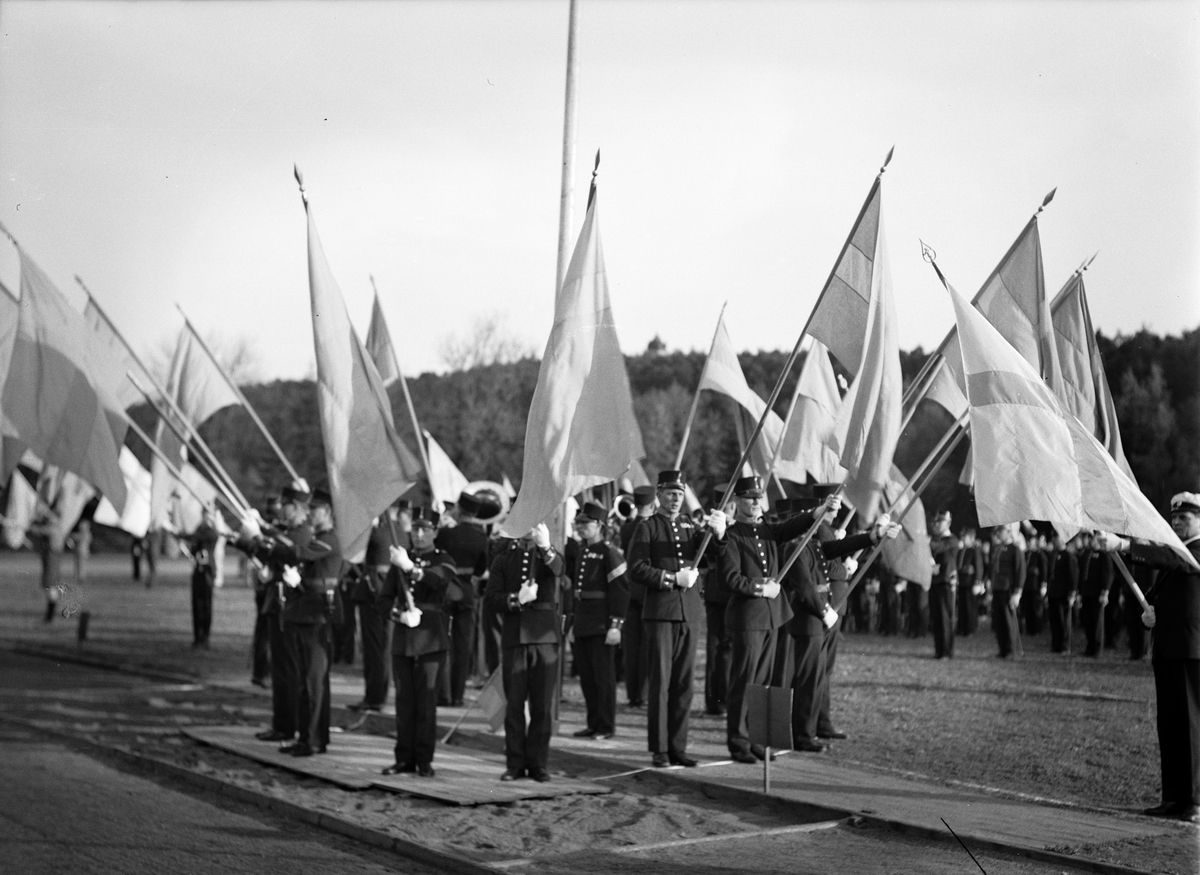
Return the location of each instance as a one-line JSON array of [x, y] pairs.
[[527, 592], [829, 617], [901, 585], [686, 577], [1110, 543], [411, 618], [1148, 617], [770, 588], [833, 503], [541, 536], [1103, 599], [399, 557], [851, 565], [264, 573], [1014, 601], [718, 522], [979, 589], [251, 528], [291, 576], [612, 637]]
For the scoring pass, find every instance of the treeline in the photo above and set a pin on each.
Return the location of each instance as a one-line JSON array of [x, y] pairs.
[[478, 417]]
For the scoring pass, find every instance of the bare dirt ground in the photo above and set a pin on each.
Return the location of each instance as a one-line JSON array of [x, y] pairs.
[[1062, 728]]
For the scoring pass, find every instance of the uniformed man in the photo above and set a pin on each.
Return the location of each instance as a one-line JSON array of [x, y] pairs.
[[945, 549], [393, 528], [1037, 573], [662, 557], [1060, 592], [1096, 573], [809, 592], [467, 545], [1008, 581], [263, 581], [201, 544], [633, 633], [523, 586], [1174, 615], [749, 570], [838, 572], [970, 582], [718, 645], [600, 598], [414, 595]]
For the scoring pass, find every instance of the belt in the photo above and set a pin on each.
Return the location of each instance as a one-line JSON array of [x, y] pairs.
[[540, 607], [330, 581], [824, 587], [465, 572], [590, 594], [427, 608]]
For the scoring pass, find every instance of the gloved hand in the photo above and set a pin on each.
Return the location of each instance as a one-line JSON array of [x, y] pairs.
[[399, 557], [541, 536], [1103, 599], [770, 588], [718, 522], [978, 589], [291, 576], [829, 617], [1148, 617], [1014, 601], [528, 592], [851, 565], [1110, 543], [251, 526], [264, 574], [612, 637], [686, 577], [411, 618], [901, 585], [833, 503]]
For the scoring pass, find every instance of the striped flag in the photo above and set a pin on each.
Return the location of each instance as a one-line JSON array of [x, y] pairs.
[[1033, 458]]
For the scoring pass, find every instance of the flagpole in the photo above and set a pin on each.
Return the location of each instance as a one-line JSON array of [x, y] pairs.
[[412, 411], [570, 122], [177, 474], [791, 359], [242, 398], [687, 428], [790, 413]]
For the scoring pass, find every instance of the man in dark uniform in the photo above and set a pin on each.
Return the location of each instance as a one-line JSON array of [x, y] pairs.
[[749, 571], [1008, 581], [264, 583], [662, 557], [523, 586], [600, 598], [808, 590], [718, 645], [1060, 592], [944, 548], [1174, 615], [1095, 580], [970, 583], [633, 633], [467, 545], [202, 545], [414, 595], [838, 572], [393, 528]]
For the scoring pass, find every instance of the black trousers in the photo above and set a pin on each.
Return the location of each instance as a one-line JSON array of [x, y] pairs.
[[829, 647], [968, 610], [785, 661], [1031, 610], [202, 598], [416, 706], [1091, 617], [670, 660], [807, 684], [917, 600], [492, 629], [1137, 632], [343, 638], [260, 645], [597, 666], [1177, 691], [283, 668], [462, 649], [530, 674], [376, 648], [310, 645], [718, 652], [752, 661], [941, 618], [889, 608], [1004, 624], [1058, 613], [633, 645]]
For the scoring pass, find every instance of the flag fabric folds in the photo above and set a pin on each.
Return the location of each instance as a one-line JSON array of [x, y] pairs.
[[1086, 394], [367, 465], [1034, 459], [20, 511], [446, 482], [379, 345], [135, 519], [54, 399], [807, 442], [581, 429], [908, 555], [118, 357], [868, 426]]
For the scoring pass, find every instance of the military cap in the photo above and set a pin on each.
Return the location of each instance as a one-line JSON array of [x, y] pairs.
[[424, 516], [643, 496], [805, 498], [402, 504], [469, 505], [942, 515], [321, 495], [294, 494], [1185, 502], [671, 479], [783, 506], [822, 491], [749, 487], [592, 511]]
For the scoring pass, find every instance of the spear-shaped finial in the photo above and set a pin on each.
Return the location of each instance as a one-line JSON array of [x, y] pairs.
[[887, 161], [595, 171], [9, 235], [930, 256], [1088, 263], [1047, 200], [300, 182]]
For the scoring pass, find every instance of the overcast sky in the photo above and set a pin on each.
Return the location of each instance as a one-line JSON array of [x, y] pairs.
[[148, 147]]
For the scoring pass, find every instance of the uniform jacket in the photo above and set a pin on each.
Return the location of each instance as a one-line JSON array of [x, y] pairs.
[[807, 585], [659, 547], [970, 565], [637, 590], [1008, 569], [1096, 571], [273, 550], [1176, 600], [377, 562], [202, 544], [467, 546], [538, 622], [319, 560], [429, 595], [945, 550], [1064, 578], [600, 592], [749, 554]]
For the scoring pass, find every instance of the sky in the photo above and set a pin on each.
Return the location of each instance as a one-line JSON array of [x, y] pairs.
[[149, 149]]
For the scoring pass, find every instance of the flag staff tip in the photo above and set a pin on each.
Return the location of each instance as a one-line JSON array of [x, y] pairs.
[[1047, 199], [596, 166], [300, 182], [9, 235], [887, 160]]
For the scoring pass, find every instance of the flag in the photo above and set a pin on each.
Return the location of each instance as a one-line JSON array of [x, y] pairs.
[[1034, 459], [52, 398], [723, 373], [379, 345], [492, 701], [807, 441], [581, 429], [908, 555], [868, 426], [20, 511], [1086, 394], [68, 494], [446, 482], [368, 466], [135, 519], [119, 359]]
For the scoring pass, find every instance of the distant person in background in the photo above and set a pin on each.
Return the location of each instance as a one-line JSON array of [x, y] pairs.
[[50, 543], [1095, 580], [1060, 592], [83, 549], [137, 549], [1008, 582], [970, 583], [153, 544], [945, 549], [201, 545], [219, 562]]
